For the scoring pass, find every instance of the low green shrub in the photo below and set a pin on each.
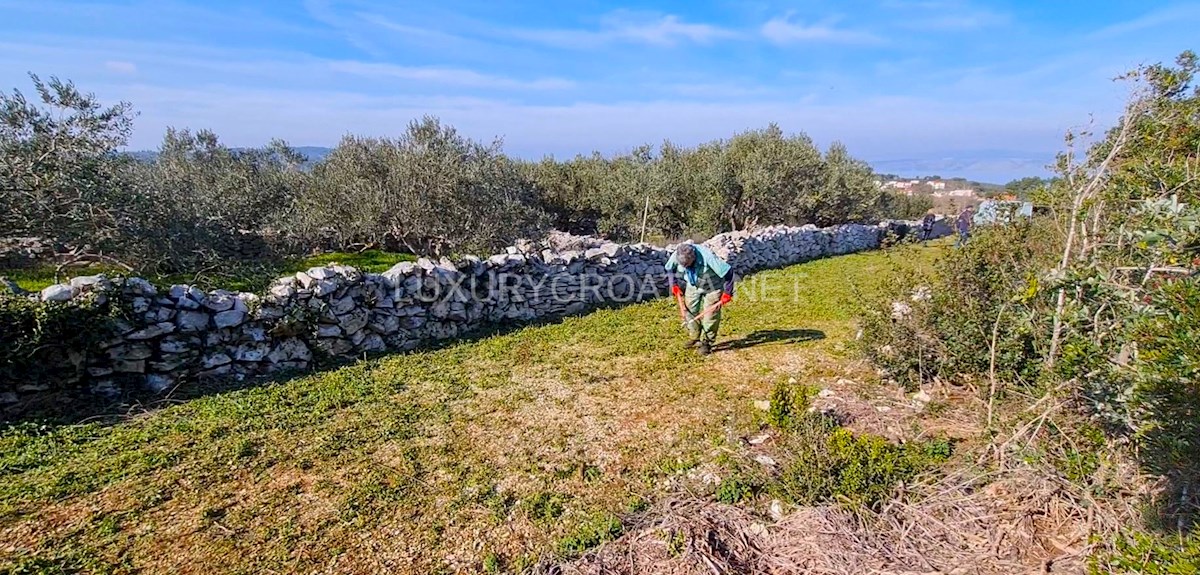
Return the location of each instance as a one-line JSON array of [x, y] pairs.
[[593, 531], [852, 469], [1147, 554], [790, 404]]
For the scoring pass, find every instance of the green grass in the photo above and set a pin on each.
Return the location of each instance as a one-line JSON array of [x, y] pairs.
[[487, 453], [244, 277]]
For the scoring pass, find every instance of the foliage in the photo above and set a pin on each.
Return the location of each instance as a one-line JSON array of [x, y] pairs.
[[42, 343], [430, 191], [58, 173], [589, 534], [853, 469], [790, 404], [943, 325], [1148, 554]]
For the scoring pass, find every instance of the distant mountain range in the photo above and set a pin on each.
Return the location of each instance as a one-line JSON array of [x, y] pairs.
[[990, 166]]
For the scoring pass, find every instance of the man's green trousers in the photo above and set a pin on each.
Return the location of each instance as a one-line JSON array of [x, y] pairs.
[[697, 300]]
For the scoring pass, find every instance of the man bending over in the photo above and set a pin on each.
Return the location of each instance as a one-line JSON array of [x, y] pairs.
[[709, 285]]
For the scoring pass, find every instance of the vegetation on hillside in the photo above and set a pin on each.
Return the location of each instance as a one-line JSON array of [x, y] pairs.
[[429, 191], [1092, 310]]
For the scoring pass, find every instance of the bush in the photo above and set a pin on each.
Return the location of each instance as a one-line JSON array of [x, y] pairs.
[[42, 344], [942, 326], [857, 470], [1147, 554]]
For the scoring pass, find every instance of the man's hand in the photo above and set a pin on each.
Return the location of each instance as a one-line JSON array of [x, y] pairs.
[[726, 298], [675, 291]]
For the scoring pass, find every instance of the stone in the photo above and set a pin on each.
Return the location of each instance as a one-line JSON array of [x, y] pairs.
[[192, 321], [328, 330], [158, 382], [130, 352], [341, 306], [151, 332], [826, 393], [290, 350], [283, 291], [321, 273], [215, 359], [759, 439], [84, 283], [324, 288], [372, 343], [922, 397], [125, 366], [354, 321], [765, 460], [171, 362], [762, 404], [252, 352], [306, 281], [177, 291], [255, 333], [187, 303], [230, 318], [335, 345], [219, 302], [776, 509], [140, 286], [99, 371], [175, 345], [58, 293]]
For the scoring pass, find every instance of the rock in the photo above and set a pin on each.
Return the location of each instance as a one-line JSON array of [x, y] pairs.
[[252, 352], [826, 393], [192, 321], [30, 388], [320, 273], [328, 330], [139, 286], [306, 281], [354, 321], [759, 439], [765, 460], [230, 318], [130, 352], [58, 293], [341, 306], [99, 371], [335, 345], [372, 343], [922, 397], [324, 288], [283, 291], [174, 345], [214, 360], [762, 404], [125, 366], [255, 333], [156, 330], [85, 283], [290, 350], [219, 302], [158, 382], [776, 509]]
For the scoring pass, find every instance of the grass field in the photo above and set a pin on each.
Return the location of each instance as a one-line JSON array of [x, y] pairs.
[[246, 278], [488, 455]]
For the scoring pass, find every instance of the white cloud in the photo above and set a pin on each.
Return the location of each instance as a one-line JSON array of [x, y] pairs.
[[630, 27], [121, 67], [783, 30], [1152, 19], [454, 76]]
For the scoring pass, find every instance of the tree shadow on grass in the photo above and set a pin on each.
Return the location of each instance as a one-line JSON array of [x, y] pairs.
[[771, 337]]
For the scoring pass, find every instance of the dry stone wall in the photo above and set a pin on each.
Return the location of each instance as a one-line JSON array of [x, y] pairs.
[[181, 333]]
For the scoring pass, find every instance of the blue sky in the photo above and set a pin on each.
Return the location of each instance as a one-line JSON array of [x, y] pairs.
[[955, 87]]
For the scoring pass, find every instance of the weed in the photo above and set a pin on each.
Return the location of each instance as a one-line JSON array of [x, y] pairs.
[[593, 531]]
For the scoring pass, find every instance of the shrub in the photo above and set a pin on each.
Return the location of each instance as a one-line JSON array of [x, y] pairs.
[[42, 344], [858, 470], [590, 533], [1147, 554], [790, 404], [943, 326]]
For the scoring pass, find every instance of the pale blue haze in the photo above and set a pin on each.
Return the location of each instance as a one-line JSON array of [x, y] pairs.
[[979, 89]]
